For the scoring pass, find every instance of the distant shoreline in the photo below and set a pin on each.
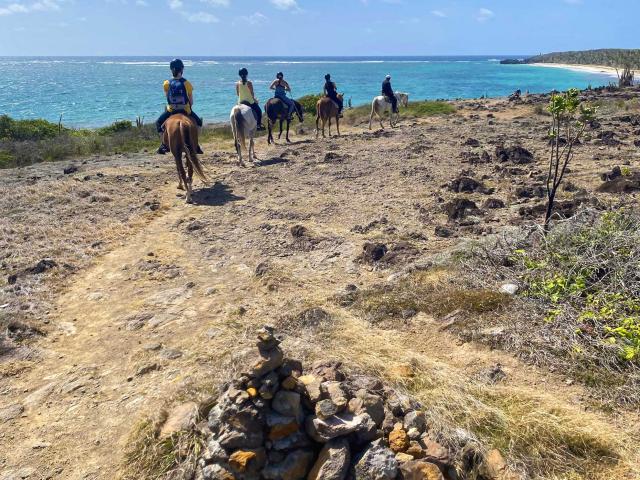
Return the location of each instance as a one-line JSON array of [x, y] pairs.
[[600, 69]]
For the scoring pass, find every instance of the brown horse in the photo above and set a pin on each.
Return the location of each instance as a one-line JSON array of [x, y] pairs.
[[276, 109], [327, 109], [181, 135]]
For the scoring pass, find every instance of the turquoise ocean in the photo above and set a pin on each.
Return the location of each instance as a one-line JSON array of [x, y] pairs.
[[96, 91]]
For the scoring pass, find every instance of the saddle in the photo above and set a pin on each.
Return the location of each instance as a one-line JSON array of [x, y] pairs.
[[252, 110]]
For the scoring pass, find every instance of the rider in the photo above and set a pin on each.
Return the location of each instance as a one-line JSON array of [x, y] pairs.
[[244, 90], [330, 90], [387, 91], [281, 87], [179, 93]]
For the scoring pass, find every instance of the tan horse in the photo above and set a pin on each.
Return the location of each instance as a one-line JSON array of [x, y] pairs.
[[181, 135], [327, 109]]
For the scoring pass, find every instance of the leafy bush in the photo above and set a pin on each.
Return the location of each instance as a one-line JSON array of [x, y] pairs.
[[116, 127], [21, 130], [309, 104]]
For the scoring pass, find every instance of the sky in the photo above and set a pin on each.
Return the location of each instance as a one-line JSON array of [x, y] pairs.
[[312, 27]]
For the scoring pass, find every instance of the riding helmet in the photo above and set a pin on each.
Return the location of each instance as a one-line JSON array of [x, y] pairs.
[[327, 77], [243, 72], [280, 75], [388, 77], [176, 65]]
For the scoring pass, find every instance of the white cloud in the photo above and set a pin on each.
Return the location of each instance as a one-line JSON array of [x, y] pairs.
[[142, 3], [175, 4], [438, 13], [201, 17], [217, 3], [485, 14], [253, 19], [285, 4], [41, 6]]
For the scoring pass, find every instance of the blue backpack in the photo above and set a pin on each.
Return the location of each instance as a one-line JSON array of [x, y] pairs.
[[177, 96]]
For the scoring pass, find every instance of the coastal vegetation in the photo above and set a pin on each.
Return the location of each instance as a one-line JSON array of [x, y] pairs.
[[610, 57], [26, 142]]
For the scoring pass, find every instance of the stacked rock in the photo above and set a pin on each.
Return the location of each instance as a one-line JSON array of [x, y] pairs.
[[278, 422]]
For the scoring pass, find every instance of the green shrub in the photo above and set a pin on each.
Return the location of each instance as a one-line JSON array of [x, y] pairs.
[[309, 103], [116, 127], [22, 130]]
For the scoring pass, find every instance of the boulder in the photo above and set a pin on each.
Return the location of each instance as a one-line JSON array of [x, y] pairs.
[[311, 387], [295, 466], [326, 408], [323, 430], [333, 461], [336, 393], [181, 419], [365, 402], [376, 463], [436, 453], [287, 403], [415, 419], [265, 361]]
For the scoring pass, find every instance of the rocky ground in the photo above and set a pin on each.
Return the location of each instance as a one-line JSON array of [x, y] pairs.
[[118, 299]]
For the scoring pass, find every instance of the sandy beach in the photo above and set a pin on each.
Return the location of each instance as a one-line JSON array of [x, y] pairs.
[[581, 68]]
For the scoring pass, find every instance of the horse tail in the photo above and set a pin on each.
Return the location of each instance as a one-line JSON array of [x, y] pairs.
[[189, 151], [237, 126]]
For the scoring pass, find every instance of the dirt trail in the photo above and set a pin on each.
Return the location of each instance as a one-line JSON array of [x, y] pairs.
[[179, 298]]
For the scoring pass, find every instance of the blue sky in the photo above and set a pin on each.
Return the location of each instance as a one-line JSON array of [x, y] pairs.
[[313, 27]]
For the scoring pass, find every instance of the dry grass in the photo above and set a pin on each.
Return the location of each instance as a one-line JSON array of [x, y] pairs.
[[541, 439]]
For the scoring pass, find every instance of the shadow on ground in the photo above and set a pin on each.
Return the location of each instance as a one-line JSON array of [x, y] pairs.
[[217, 195]]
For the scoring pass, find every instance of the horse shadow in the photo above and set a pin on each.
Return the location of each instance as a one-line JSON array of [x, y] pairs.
[[215, 196], [272, 161]]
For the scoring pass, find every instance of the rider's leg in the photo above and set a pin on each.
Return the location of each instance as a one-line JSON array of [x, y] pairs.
[[258, 112], [160, 127], [292, 108], [394, 104], [199, 122]]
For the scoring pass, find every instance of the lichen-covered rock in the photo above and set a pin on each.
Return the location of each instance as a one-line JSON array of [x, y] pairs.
[[376, 463], [237, 425], [326, 408], [248, 461], [436, 453], [398, 439], [420, 470], [217, 472], [281, 426], [311, 387], [333, 461]]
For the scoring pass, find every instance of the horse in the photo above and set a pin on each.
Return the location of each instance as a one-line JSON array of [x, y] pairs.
[[380, 105], [327, 109], [243, 125], [181, 135], [276, 109]]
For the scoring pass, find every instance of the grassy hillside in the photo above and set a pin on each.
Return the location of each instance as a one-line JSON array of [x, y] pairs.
[[612, 57]]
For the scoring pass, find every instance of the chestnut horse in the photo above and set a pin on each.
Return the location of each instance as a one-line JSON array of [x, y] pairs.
[[327, 109], [181, 135], [277, 110]]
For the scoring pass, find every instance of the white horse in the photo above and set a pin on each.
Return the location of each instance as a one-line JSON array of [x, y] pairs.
[[243, 125], [381, 105]]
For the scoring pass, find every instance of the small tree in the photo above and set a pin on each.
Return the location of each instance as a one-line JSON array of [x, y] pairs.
[[569, 118], [625, 79]]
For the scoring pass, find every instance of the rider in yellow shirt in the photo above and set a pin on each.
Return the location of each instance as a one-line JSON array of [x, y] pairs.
[[179, 93], [246, 96]]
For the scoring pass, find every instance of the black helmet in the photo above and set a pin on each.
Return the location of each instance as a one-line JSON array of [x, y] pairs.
[[327, 77], [176, 65], [279, 75], [243, 72]]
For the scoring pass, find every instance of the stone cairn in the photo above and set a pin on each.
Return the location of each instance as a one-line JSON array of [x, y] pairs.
[[280, 422]]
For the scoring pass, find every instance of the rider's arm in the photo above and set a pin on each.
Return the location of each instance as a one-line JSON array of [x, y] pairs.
[[273, 85], [250, 85], [237, 90], [286, 86], [189, 88]]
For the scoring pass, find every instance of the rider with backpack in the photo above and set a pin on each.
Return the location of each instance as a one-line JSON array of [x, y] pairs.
[[331, 91], [388, 92], [179, 93]]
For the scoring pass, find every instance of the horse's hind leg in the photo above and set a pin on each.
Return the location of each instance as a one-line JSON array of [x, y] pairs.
[[288, 125], [329, 127], [182, 176], [318, 125], [280, 134], [338, 124]]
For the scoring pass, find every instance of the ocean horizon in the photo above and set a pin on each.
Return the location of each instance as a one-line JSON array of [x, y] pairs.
[[96, 91]]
